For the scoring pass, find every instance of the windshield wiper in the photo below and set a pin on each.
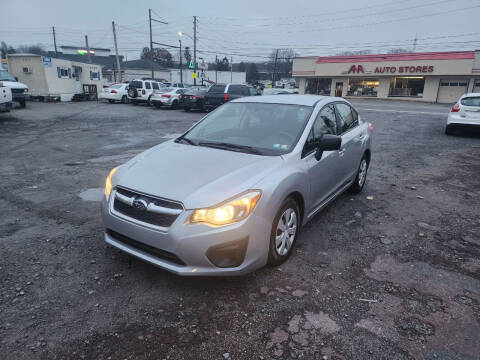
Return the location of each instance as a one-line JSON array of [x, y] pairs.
[[184, 139], [232, 147]]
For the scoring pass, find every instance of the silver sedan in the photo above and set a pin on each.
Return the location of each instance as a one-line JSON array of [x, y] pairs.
[[231, 194]]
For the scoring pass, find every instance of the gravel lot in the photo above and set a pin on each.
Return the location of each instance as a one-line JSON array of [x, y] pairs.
[[392, 273]]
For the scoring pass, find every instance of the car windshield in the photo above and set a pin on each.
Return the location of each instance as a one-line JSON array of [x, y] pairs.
[[471, 101], [262, 128], [5, 76]]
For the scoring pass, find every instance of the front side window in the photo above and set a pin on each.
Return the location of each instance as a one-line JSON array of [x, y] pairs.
[[347, 117], [270, 129], [325, 123]]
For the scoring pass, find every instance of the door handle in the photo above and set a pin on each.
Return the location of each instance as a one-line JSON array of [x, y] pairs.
[[341, 152]]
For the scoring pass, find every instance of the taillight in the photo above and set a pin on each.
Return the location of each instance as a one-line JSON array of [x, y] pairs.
[[455, 108], [225, 96], [166, 95], [143, 91], [113, 91], [193, 97], [370, 126]]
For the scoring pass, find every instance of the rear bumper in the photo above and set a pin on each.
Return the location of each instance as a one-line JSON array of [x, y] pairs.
[[196, 246], [459, 120]]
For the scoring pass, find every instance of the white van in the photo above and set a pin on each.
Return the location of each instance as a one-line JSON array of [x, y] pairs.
[[5, 97], [19, 91]]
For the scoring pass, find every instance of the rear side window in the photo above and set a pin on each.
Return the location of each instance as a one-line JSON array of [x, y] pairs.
[[136, 84], [347, 117], [471, 101], [217, 89], [235, 90], [155, 86], [147, 85]]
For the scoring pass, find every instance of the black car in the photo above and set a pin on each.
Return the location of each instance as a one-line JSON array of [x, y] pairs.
[[219, 94], [193, 99]]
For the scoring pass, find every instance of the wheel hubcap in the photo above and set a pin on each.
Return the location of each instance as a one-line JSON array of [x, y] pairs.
[[286, 231], [362, 172]]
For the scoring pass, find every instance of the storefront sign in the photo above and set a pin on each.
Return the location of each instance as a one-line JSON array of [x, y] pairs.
[[358, 69]]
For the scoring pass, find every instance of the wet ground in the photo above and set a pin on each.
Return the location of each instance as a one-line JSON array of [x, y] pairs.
[[392, 273]]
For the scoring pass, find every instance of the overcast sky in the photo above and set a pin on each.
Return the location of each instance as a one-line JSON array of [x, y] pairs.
[[248, 29]]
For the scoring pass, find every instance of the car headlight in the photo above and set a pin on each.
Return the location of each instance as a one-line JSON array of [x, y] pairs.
[[228, 212], [108, 182]]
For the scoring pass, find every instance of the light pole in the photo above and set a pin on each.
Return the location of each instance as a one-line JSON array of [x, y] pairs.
[[180, 33], [181, 69]]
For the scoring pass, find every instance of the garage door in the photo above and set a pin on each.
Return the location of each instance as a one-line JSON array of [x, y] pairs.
[[476, 86], [451, 90]]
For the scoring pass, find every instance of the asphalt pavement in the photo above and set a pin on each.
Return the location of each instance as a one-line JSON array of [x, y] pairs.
[[391, 273]]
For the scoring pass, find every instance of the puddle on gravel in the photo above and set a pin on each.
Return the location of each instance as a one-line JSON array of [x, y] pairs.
[[94, 194]]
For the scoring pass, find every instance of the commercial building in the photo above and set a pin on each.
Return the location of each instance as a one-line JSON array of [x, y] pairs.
[[437, 77], [54, 78]]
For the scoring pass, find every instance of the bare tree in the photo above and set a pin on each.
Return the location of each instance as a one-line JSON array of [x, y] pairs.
[[284, 62]]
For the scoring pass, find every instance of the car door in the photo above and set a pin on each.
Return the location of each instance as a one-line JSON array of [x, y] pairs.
[[323, 175], [352, 139]]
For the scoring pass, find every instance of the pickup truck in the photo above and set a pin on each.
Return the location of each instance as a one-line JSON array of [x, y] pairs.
[[19, 90], [5, 98]]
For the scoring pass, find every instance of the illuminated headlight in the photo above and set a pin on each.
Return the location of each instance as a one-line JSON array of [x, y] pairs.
[[228, 212], [108, 182]]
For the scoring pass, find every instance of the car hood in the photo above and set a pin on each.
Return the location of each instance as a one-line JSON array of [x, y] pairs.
[[14, 84], [195, 175]]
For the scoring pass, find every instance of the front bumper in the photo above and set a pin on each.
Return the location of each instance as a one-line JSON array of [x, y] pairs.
[[20, 96], [192, 244]]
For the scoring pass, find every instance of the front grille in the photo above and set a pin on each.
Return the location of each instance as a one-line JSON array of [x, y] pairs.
[[158, 253], [162, 220], [17, 91]]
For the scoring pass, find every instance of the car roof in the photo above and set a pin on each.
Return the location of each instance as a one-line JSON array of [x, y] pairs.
[[291, 99], [470, 95]]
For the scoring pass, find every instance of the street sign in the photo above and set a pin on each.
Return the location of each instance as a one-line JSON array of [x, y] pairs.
[[191, 64], [194, 75]]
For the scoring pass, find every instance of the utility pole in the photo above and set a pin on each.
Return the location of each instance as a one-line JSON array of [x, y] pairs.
[[151, 40], [54, 41], [118, 78], [274, 69], [195, 49], [181, 69], [415, 43], [216, 67], [88, 49], [231, 69]]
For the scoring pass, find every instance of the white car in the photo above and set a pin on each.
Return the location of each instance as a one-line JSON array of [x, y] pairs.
[[169, 97], [115, 92], [5, 97], [466, 112], [140, 91]]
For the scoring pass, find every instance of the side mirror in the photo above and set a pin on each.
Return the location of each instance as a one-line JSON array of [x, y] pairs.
[[327, 142]]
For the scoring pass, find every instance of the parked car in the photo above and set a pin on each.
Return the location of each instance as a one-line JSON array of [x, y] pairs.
[[140, 91], [5, 97], [168, 97], [115, 92], [275, 91], [19, 90], [466, 112], [219, 94], [193, 99], [231, 194]]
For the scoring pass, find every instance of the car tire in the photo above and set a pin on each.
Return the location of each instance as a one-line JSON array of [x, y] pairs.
[[157, 105], [283, 235], [149, 103], [361, 177], [175, 104], [124, 99], [23, 104], [449, 129]]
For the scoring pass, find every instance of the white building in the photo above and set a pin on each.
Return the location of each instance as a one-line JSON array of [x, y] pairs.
[[51, 77], [208, 76]]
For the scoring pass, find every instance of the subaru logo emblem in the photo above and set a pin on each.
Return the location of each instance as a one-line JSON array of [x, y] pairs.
[[140, 204]]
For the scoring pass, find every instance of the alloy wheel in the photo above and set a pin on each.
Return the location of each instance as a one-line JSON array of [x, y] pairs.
[[362, 172], [286, 232]]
